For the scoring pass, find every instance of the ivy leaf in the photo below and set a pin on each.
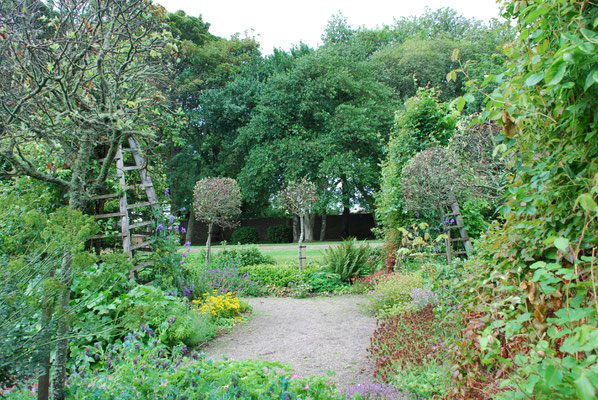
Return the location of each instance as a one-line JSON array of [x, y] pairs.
[[561, 243]]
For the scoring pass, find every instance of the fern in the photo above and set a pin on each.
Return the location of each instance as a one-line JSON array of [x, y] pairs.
[[349, 259]]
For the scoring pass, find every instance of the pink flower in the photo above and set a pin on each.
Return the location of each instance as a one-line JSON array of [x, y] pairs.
[[294, 376], [306, 386]]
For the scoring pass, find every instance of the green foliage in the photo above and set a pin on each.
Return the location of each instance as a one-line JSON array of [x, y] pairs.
[[164, 372], [392, 294], [431, 179], [245, 235], [418, 242], [528, 296], [349, 259], [150, 306], [426, 381], [274, 275], [279, 234], [217, 201], [425, 122], [241, 256], [325, 282]]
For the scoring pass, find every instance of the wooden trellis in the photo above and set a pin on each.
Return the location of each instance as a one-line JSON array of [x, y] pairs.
[[136, 236], [453, 212]]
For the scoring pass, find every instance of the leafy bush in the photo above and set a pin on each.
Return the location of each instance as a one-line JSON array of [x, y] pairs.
[[142, 367], [366, 283], [393, 294], [325, 282], [275, 275], [279, 234], [150, 306], [245, 235], [429, 380], [241, 256], [224, 280], [348, 259], [406, 340]]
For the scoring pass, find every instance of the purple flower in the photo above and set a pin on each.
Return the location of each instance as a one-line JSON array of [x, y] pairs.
[[176, 228], [452, 221], [184, 209], [187, 244], [446, 221], [167, 192], [160, 227], [416, 215], [183, 230], [182, 261], [171, 220]]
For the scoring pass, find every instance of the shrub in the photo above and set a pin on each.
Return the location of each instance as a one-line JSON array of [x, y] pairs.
[[241, 256], [225, 280], [142, 367], [279, 234], [393, 294], [406, 340], [245, 235], [150, 306], [366, 283], [348, 259], [275, 275], [325, 282], [427, 381]]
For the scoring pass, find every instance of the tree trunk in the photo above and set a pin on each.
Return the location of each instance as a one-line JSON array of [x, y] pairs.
[[323, 228], [209, 243], [190, 227], [300, 241], [310, 221], [295, 228], [62, 345], [43, 381], [345, 223]]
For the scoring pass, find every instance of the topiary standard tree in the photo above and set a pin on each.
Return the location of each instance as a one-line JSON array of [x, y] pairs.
[[297, 198], [216, 201]]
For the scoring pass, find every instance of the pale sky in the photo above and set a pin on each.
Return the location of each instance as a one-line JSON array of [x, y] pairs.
[[282, 24]]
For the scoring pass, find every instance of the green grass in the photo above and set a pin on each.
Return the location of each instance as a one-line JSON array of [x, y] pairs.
[[283, 256], [291, 256]]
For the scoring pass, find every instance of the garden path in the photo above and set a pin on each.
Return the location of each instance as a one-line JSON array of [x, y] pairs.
[[312, 335]]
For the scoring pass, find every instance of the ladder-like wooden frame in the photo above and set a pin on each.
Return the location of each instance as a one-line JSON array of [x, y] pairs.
[[455, 211], [124, 207]]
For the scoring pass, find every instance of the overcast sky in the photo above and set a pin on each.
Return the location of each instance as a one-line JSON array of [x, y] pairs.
[[280, 23]]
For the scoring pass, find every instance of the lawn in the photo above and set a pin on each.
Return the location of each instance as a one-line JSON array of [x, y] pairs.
[[287, 252]]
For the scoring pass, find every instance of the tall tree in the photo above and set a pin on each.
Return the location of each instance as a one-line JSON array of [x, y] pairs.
[[323, 119]]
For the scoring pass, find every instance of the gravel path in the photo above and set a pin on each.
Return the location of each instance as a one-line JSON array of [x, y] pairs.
[[313, 335]]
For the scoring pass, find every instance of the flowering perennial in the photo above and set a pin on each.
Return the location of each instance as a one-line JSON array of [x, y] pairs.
[[218, 305]]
